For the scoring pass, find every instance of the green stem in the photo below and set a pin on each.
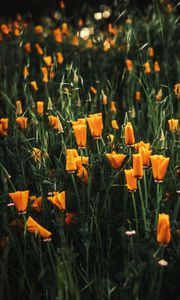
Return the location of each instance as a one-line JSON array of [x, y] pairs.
[[135, 212], [158, 195], [143, 207], [145, 190], [176, 211], [76, 191]]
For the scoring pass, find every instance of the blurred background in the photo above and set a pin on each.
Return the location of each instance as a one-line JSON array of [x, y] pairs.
[[72, 7]]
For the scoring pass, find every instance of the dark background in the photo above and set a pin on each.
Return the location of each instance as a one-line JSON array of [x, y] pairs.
[[72, 7]]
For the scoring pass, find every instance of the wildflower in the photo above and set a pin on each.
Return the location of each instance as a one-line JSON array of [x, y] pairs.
[[70, 160], [113, 108], [37, 203], [131, 180], [37, 229], [38, 29], [129, 134], [151, 52], [20, 200], [130, 233], [25, 72], [111, 29], [48, 60], [65, 29], [129, 65], [159, 95], [140, 145], [39, 49], [163, 229], [173, 124], [36, 154], [145, 153], [83, 174], [44, 71], [59, 57], [57, 35], [58, 199], [177, 90], [22, 122], [80, 132], [19, 110], [138, 165], [75, 41], [34, 85], [89, 44], [115, 159], [53, 121], [70, 218], [156, 67], [93, 90], [95, 125], [27, 47], [147, 68], [5, 29], [159, 166], [104, 99], [40, 107], [114, 124], [4, 123], [138, 96]]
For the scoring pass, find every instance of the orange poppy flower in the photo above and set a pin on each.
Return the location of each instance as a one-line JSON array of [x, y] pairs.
[[80, 121], [129, 65], [20, 200], [131, 180], [57, 35], [173, 124], [138, 165], [4, 123], [115, 159], [70, 160], [37, 229], [5, 29], [138, 96], [25, 72], [44, 71], [39, 49], [27, 47], [93, 90], [75, 41], [114, 124], [61, 4], [38, 29], [147, 68], [53, 121], [140, 145], [80, 133], [104, 99], [22, 122], [40, 107], [145, 153], [95, 125], [113, 108], [58, 199], [65, 29], [163, 229], [112, 29], [159, 95], [60, 58], [159, 167], [34, 85], [83, 174], [156, 67], [151, 52], [37, 203], [89, 44], [129, 134], [48, 60]]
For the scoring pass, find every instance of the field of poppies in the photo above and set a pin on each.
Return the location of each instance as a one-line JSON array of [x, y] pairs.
[[90, 155]]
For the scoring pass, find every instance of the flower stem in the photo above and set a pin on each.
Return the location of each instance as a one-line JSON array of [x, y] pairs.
[[135, 212], [143, 207]]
